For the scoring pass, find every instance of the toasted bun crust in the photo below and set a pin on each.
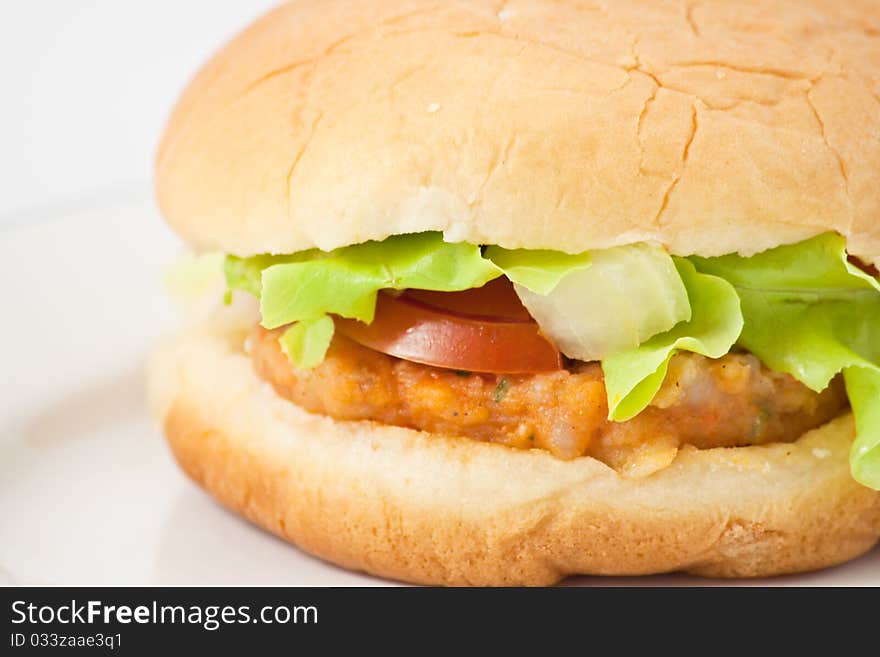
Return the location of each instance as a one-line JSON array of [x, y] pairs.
[[442, 510], [729, 126]]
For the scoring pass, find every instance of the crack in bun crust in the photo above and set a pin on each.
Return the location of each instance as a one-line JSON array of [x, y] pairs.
[[435, 509]]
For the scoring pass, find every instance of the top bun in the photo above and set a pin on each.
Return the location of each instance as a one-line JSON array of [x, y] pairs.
[[729, 126]]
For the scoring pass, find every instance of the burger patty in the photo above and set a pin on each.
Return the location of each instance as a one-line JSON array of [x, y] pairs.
[[731, 401]]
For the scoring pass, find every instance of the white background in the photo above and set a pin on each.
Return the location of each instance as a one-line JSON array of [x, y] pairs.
[[85, 88]]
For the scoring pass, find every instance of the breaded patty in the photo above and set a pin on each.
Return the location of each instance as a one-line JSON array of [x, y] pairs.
[[731, 401]]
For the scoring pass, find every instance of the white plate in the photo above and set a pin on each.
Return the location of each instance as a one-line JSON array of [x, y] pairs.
[[88, 491]]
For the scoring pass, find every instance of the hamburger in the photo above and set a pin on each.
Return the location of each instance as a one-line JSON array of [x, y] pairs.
[[529, 289]]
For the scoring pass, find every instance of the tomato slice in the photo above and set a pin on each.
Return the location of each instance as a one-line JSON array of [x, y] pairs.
[[871, 270], [481, 330]]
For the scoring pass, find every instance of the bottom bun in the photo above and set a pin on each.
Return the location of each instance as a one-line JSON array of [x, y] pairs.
[[443, 510]]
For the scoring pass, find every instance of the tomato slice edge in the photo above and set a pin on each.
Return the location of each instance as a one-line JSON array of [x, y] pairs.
[[413, 329]]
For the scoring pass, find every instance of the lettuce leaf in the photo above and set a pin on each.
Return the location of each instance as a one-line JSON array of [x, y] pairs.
[[863, 388], [191, 277], [307, 341], [810, 313], [625, 296], [537, 270], [303, 289], [633, 377]]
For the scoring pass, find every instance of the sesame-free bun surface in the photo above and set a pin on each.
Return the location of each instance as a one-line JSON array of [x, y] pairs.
[[443, 510], [709, 127]]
